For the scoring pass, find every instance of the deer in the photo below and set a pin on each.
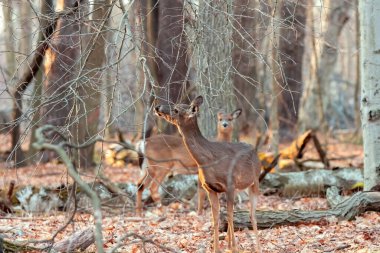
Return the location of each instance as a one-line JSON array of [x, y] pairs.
[[222, 166], [166, 153]]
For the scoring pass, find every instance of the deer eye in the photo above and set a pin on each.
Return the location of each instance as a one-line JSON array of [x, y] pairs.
[[175, 111]]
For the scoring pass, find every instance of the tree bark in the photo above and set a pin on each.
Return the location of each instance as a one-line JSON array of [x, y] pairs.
[[47, 28], [369, 14], [89, 87], [245, 61], [213, 52], [9, 38], [61, 70], [291, 47], [346, 210]]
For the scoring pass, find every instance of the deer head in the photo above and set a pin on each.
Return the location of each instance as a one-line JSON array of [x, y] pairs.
[[226, 121], [180, 115]]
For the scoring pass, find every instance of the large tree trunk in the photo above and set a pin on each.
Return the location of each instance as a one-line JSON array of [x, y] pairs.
[[171, 55], [245, 60], [61, 69], [314, 100], [214, 60], [89, 88], [291, 46], [369, 13]]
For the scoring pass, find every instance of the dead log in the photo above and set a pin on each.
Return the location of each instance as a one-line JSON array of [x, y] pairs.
[[80, 240], [312, 182], [348, 209]]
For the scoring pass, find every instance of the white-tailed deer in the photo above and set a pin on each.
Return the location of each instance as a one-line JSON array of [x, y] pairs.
[[166, 153], [222, 166]]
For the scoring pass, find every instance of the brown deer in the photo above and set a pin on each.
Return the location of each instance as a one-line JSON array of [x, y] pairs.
[[222, 166], [166, 153]]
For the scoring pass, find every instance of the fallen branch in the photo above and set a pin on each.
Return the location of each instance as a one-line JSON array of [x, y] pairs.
[[348, 209], [80, 240], [41, 144]]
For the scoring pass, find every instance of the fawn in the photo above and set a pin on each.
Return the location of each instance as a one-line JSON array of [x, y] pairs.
[[222, 166], [167, 153]]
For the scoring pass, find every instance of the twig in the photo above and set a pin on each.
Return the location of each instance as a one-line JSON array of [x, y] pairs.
[[41, 144]]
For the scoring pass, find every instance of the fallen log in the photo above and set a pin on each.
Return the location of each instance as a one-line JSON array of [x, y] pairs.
[[348, 209], [312, 182], [80, 240]]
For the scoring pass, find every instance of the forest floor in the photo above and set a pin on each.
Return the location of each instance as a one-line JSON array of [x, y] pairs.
[[179, 228]]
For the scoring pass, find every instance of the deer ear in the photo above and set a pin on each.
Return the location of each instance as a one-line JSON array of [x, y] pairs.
[[197, 101], [236, 113], [194, 106]]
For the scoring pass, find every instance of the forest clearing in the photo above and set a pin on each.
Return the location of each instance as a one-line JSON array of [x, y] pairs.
[[190, 126]]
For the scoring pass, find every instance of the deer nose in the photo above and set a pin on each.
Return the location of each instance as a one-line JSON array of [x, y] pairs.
[[157, 108], [225, 124]]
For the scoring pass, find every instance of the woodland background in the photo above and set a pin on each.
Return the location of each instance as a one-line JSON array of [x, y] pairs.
[[95, 69]]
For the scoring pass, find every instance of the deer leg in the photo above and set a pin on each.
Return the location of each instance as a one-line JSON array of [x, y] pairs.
[[157, 180], [230, 219], [143, 181], [201, 197], [214, 201], [253, 197]]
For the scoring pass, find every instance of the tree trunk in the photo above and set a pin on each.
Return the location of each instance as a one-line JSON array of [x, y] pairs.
[[346, 210], [61, 70], [245, 61], [89, 87], [214, 60], [291, 47], [277, 79], [30, 71], [9, 38], [171, 56], [369, 13], [314, 100], [47, 10]]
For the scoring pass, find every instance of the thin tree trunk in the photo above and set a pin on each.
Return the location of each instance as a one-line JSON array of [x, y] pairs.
[[369, 14], [277, 79], [9, 37]]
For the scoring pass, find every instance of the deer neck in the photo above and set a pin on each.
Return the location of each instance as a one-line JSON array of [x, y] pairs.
[[195, 143], [223, 136]]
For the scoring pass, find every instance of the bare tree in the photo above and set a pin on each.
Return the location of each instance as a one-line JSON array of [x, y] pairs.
[[369, 14], [314, 100]]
